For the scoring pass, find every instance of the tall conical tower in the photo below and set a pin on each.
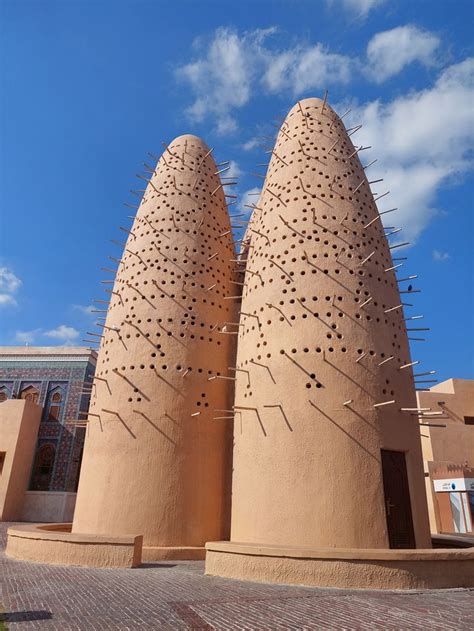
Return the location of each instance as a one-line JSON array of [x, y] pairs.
[[155, 461], [325, 425]]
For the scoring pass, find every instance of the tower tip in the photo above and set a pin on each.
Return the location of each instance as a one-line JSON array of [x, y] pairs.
[[190, 139], [311, 103]]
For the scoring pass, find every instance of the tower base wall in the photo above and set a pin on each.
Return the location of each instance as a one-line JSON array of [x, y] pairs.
[[55, 544], [342, 568]]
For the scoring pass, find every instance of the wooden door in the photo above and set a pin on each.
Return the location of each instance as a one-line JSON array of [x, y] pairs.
[[397, 500]]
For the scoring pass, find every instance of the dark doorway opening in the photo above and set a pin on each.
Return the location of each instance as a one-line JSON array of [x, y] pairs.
[[397, 500]]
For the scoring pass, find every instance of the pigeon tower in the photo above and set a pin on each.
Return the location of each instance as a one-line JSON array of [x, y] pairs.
[[324, 392], [156, 462]]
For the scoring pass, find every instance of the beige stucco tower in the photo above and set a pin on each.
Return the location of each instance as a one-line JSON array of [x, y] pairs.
[[155, 461], [324, 341], [327, 469]]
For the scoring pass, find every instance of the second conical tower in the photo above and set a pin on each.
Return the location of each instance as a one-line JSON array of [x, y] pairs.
[[325, 425]]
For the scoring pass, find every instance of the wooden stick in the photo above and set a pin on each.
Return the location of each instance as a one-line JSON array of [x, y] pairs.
[[377, 405], [324, 101], [408, 365]]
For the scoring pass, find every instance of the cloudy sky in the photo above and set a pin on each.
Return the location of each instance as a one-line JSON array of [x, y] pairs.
[[89, 87]]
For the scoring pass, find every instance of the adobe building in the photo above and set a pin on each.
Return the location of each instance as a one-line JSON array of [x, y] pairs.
[[326, 442], [327, 467], [55, 382], [19, 423], [447, 439]]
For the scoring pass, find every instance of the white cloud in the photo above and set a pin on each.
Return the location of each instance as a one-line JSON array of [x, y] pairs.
[[9, 285], [390, 51], [360, 8], [8, 281], [440, 256], [251, 144], [7, 299], [226, 124], [221, 79], [304, 68], [231, 67], [249, 198], [421, 140], [63, 333], [26, 337], [234, 171], [86, 309]]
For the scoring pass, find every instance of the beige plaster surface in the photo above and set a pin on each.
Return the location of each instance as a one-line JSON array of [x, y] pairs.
[[156, 460], [449, 440], [313, 359], [19, 423], [55, 544], [451, 401], [344, 568]]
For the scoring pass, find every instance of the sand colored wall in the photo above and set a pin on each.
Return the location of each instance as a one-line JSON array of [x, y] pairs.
[[323, 339], [446, 405], [455, 442], [19, 423], [56, 545], [343, 568], [155, 461]]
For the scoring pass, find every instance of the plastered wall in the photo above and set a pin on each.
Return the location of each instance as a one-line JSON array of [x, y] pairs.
[[19, 423]]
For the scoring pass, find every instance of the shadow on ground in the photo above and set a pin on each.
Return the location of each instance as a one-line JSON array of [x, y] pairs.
[[25, 616]]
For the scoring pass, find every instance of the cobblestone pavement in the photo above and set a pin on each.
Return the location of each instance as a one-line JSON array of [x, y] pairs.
[[177, 595]]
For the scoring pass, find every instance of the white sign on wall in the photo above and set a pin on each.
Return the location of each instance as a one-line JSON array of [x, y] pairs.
[[454, 484]]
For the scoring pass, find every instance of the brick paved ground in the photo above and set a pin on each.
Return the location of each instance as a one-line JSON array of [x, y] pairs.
[[178, 596]]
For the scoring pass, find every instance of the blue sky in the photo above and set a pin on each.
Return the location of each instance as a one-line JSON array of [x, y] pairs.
[[89, 87]]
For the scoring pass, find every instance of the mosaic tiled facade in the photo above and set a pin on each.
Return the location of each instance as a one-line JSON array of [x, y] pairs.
[[54, 378]]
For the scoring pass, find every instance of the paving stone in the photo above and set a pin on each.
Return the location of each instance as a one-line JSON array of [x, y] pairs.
[[177, 595]]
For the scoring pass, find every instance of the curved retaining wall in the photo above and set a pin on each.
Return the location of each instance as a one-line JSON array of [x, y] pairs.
[[55, 544], [343, 568]]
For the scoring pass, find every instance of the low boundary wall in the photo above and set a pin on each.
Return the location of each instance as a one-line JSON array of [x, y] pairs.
[[344, 568]]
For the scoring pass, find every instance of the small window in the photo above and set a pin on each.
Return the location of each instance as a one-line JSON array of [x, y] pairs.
[[2, 460], [43, 467], [6, 390], [30, 394], [469, 420], [54, 405]]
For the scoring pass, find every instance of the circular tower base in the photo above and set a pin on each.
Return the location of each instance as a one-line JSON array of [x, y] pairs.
[[342, 567], [57, 545]]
